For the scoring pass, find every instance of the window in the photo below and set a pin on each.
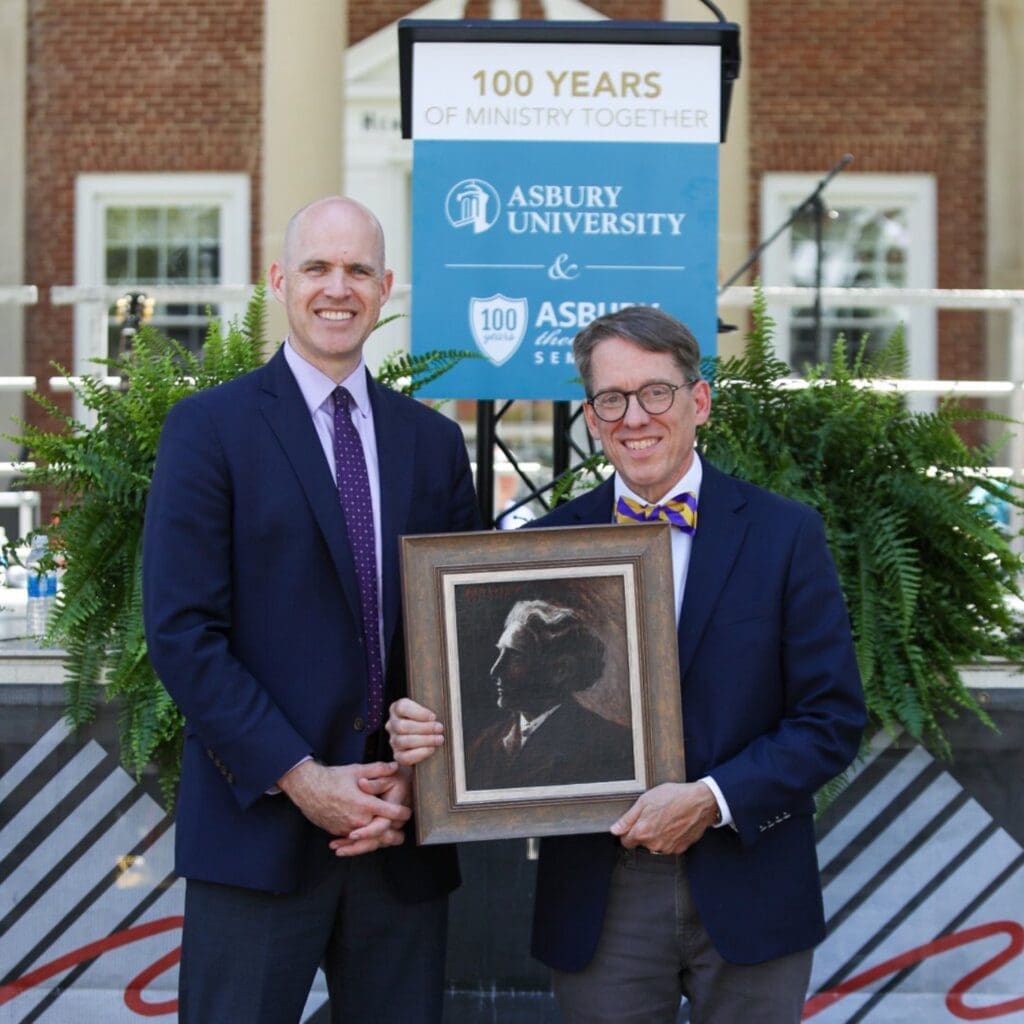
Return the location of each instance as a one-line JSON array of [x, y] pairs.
[[134, 230], [876, 231]]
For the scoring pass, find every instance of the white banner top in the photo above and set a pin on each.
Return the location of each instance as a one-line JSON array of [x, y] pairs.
[[587, 92]]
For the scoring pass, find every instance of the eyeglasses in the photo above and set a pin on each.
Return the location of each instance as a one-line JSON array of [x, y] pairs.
[[654, 398]]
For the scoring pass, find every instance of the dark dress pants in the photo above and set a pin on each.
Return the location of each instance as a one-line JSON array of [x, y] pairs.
[[654, 950], [251, 957]]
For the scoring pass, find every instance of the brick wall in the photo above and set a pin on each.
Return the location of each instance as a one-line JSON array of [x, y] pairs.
[[902, 88], [364, 19], [125, 86]]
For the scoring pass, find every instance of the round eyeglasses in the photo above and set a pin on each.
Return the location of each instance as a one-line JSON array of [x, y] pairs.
[[654, 398]]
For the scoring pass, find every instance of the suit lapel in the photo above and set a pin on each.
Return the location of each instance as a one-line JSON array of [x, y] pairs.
[[720, 532], [595, 506], [396, 453], [283, 407]]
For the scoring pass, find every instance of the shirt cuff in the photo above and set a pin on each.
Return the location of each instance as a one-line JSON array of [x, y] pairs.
[[276, 790], [724, 814]]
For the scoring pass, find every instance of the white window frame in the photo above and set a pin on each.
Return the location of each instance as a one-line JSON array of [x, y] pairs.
[[94, 193], [781, 193]]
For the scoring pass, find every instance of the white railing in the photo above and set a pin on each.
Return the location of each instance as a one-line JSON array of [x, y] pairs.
[[94, 301], [982, 299], [26, 502], [106, 295], [98, 299], [18, 295]]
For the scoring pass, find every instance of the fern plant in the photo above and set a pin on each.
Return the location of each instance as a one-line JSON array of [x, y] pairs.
[[101, 472], [926, 571]]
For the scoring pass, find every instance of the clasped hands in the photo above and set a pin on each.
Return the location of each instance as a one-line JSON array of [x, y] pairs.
[[364, 806], [666, 819]]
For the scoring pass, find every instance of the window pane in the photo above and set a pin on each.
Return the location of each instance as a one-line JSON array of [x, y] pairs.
[[180, 224], [208, 222], [209, 263], [118, 224], [147, 264], [164, 245], [147, 224], [178, 264], [118, 264], [859, 247]]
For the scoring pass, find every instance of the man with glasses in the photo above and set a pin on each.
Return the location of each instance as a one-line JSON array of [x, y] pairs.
[[707, 889]]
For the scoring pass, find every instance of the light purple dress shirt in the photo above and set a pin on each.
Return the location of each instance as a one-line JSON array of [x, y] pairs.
[[317, 388]]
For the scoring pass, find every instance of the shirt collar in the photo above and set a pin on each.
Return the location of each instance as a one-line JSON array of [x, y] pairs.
[[689, 481], [317, 387]]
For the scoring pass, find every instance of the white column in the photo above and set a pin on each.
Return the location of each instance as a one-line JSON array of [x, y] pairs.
[[1004, 240], [1005, 141], [734, 241], [303, 115], [13, 71]]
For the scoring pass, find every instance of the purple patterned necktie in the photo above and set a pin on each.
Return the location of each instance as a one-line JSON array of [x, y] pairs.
[[354, 492]]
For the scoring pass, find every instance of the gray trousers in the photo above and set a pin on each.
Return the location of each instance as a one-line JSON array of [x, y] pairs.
[[250, 957], [654, 950]]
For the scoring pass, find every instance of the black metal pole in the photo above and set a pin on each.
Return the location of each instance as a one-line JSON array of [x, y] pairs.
[[818, 212], [485, 431], [561, 425], [847, 158]]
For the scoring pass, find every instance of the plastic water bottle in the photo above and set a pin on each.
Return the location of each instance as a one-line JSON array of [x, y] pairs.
[[42, 588]]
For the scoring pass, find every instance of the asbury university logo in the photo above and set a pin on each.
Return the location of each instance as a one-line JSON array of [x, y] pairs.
[[498, 324], [473, 203]]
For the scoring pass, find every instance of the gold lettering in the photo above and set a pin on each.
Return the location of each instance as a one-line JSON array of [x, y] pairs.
[[556, 81]]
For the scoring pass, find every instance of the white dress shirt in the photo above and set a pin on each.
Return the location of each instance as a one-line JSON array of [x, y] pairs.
[[682, 544]]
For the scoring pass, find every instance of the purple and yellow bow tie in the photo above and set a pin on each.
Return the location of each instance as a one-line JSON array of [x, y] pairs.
[[680, 510]]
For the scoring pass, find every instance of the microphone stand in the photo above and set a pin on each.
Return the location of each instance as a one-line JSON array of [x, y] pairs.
[[813, 202]]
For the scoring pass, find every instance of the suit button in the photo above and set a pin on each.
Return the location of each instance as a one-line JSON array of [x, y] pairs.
[[359, 725]]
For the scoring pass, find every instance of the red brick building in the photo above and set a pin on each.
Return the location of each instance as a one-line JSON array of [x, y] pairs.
[[163, 140]]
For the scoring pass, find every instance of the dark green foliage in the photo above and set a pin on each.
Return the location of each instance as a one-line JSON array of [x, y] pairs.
[[589, 473], [102, 470], [408, 373], [925, 571]]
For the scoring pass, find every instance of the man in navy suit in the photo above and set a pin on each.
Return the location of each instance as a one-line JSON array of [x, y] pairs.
[[271, 596], [707, 888]]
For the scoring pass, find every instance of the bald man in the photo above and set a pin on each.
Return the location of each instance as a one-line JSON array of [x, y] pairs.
[[271, 590]]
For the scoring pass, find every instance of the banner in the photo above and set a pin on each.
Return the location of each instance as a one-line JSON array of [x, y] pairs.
[[551, 185], [922, 863]]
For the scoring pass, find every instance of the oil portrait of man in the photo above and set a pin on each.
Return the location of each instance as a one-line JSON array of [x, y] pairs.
[[547, 654]]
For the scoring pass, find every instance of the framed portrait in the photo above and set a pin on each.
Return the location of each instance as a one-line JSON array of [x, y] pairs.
[[550, 656]]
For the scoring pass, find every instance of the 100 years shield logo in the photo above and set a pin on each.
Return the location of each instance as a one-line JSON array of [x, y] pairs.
[[499, 325]]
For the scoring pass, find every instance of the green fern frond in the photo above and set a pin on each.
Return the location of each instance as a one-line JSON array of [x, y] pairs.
[[409, 373], [102, 472]]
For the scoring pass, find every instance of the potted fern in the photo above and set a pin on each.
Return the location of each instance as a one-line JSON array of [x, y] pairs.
[[926, 571], [101, 473]]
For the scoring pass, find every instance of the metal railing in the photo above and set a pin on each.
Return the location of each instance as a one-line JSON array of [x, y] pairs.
[[97, 300]]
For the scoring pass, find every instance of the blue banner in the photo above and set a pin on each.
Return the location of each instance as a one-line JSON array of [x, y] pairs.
[[517, 245]]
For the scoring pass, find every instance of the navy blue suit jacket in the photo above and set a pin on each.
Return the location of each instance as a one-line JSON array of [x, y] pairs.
[[772, 709], [253, 621]]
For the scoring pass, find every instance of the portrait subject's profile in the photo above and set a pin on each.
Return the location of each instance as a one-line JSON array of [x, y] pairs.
[[544, 736]]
